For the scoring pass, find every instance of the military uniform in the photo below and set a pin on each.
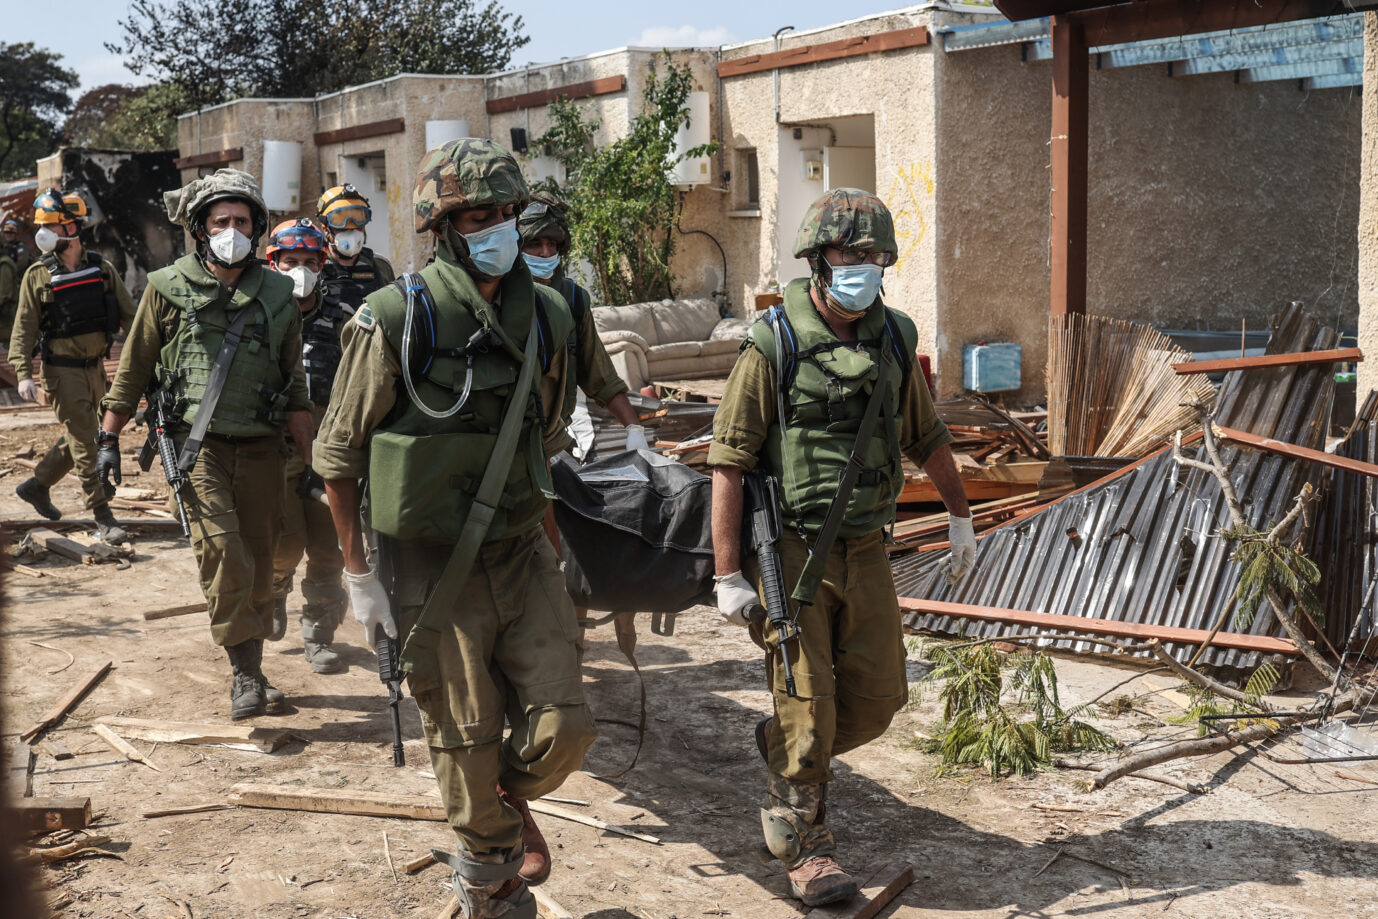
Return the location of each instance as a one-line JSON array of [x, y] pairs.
[[71, 317], [500, 647], [350, 284], [307, 527], [593, 370]]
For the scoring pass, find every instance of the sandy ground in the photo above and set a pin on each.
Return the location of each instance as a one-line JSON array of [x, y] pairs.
[[1270, 841]]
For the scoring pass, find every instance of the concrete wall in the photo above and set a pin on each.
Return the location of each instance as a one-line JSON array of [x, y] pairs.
[[1210, 202], [1368, 214]]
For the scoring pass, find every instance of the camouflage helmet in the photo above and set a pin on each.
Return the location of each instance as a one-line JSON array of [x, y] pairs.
[[469, 172], [187, 205], [848, 218], [546, 217]]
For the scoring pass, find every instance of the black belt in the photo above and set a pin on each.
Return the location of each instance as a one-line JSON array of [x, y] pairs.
[[239, 438], [85, 363]]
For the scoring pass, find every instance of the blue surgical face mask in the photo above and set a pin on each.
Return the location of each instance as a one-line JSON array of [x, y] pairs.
[[855, 287], [494, 250], [542, 268]]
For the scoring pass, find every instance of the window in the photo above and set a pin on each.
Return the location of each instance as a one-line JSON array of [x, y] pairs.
[[746, 184]]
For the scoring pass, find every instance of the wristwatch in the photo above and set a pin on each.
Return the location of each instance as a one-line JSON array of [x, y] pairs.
[[104, 437]]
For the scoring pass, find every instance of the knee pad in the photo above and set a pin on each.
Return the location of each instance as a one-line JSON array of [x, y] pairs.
[[783, 834]]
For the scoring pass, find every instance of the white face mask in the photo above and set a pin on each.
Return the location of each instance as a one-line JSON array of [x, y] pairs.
[[349, 243], [46, 239], [303, 281], [230, 246]]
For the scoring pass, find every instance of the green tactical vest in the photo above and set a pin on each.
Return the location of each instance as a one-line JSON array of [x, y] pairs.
[[825, 401], [424, 472], [254, 400]]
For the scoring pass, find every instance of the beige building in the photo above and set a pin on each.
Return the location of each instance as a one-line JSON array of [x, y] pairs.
[[1214, 196]]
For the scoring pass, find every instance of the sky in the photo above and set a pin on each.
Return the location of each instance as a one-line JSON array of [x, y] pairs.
[[557, 28]]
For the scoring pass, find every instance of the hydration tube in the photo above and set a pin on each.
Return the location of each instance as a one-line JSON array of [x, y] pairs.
[[412, 288]]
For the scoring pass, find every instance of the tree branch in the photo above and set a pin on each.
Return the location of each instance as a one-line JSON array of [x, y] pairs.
[[1200, 679]]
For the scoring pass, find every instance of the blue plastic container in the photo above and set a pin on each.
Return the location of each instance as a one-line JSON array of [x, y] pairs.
[[991, 366]]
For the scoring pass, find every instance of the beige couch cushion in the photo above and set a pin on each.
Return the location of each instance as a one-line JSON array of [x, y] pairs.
[[635, 318], [673, 350], [720, 346], [684, 320], [731, 330]]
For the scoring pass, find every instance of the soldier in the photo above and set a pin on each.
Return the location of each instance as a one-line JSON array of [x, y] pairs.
[[221, 334], [848, 661], [352, 270], [438, 401], [544, 230], [297, 249], [71, 304], [14, 261]]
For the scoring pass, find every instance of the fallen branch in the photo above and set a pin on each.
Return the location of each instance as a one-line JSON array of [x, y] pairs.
[[1203, 746], [58, 853], [1192, 787], [1200, 679]]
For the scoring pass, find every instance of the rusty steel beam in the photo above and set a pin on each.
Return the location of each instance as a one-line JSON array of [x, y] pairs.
[[1071, 71], [1141, 21], [894, 40], [1295, 451], [214, 158], [1270, 360], [360, 131], [542, 97]]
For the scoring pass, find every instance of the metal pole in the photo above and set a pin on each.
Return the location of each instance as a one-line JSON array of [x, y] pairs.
[[776, 71]]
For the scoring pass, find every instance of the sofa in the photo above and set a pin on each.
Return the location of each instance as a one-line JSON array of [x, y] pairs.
[[669, 340]]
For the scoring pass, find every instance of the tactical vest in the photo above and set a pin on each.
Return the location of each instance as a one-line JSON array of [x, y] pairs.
[[349, 285], [254, 400], [424, 472], [320, 347], [824, 398], [80, 303]]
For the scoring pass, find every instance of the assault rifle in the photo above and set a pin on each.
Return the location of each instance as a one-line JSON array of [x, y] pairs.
[[761, 532], [164, 411], [388, 651]]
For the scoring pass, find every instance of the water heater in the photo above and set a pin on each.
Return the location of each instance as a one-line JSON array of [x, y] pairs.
[[440, 133], [696, 170], [282, 175]]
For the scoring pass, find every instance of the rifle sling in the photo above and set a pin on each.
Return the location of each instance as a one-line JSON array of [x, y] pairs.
[[418, 650], [812, 575], [220, 372]]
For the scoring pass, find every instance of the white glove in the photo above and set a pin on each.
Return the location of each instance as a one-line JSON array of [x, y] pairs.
[[735, 597], [28, 390], [962, 538], [369, 601], [636, 438]]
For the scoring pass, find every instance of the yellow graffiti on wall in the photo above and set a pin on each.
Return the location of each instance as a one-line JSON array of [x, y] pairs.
[[911, 195]]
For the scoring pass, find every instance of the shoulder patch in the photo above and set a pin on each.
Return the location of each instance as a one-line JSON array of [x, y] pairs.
[[364, 318]]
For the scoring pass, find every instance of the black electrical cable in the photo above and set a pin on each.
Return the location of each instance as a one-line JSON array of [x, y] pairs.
[[683, 232]]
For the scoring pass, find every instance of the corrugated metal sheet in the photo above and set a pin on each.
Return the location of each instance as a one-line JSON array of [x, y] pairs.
[[1142, 547]]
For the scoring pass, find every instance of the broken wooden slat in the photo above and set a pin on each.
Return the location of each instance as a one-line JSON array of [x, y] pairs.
[[58, 853], [1237, 640], [1283, 448], [549, 907], [55, 749], [48, 814], [11, 565], [877, 892], [550, 810], [122, 746], [239, 737], [1270, 360], [67, 702], [417, 864], [169, 612], [189, 809], [336, 801], [87, 554]]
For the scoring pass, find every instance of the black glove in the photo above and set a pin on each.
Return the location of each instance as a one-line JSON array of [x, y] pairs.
[[108, 460], [309, 480]]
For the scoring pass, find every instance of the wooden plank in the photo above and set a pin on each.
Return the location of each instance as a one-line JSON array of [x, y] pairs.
[[336, 801], [1111, 24], [1283, 448], [1295, 359], [188, 809], [122, 746], [170, 611], [882, 887], [86, 553], [43, 815], [418, 863], [360, 131], [240, 737], [55, 749], [214, 158], [546, 96], [1056, 621], [858, 45], [67, 702], [550, 810]]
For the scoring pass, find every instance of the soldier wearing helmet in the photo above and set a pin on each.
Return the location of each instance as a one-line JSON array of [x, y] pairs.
[[352, 270], [14, 261], [218, 338], [297, 250], [441, 401], [72, 302], [835, 348]]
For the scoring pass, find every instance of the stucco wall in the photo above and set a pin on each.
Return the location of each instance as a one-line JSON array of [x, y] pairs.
[[1210, 202], [1368, 214]]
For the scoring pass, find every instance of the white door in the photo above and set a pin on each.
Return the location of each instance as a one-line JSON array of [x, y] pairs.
[[369, 174], [849, 167]]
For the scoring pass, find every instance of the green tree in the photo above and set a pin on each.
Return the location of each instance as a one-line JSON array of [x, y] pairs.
[[212, 51], [622, 205], [91, 120], [34, 94], [148, 119]]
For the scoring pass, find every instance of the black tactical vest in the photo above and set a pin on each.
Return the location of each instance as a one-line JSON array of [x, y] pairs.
[[348, 286], [80, 302], [320, 347]]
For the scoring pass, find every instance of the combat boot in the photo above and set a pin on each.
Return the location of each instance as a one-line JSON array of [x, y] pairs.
[[536, 860], [792, 820], [110, 531], [246, 697], [279, 618], [36, 493], [488, 886], [322, 657]]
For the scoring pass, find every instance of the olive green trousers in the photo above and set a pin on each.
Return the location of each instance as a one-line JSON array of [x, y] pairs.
[[75, 394], [307, 528]]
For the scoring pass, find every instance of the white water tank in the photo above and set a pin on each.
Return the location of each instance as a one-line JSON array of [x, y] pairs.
[[695, 170], [440, 133], [282, 175]]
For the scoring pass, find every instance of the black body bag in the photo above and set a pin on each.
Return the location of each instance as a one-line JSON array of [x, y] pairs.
[[635, 533]]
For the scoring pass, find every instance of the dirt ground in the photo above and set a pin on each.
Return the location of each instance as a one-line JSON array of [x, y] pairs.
[[1270, 841]]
